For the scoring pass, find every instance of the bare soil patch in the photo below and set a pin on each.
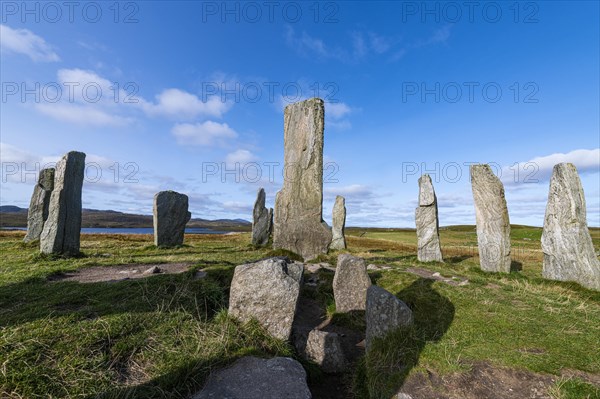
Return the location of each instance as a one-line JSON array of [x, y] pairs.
[[454, 280], [483, 381], [120, 272]]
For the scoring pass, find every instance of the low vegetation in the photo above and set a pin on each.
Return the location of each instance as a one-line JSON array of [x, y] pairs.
[[159, 337]]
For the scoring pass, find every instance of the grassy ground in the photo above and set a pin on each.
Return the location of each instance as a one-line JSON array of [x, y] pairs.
[[161, 336]]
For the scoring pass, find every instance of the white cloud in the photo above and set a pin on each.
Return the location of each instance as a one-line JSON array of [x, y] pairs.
[[240, 156], [337, 110], [207, 133], [539, 169], [23, 41], [175, 103]]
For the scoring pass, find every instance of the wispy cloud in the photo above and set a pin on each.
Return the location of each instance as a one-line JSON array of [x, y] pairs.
[[205, 134], [24, 41], [179, 104]]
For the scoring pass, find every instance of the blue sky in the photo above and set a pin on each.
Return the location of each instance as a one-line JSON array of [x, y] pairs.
[[173, 95]]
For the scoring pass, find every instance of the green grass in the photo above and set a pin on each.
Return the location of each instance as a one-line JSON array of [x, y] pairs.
[[160, 337]]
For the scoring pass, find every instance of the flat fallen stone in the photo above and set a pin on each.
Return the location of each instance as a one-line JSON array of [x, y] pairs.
[[566, 242], [255, 378]]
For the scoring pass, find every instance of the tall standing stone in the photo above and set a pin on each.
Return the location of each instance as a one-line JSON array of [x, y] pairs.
[[170, 217], [62, 228], [493, 225], [338, 223], [38, 206], [426, 218], [299, 225], [566, 242], [261, 220], [350, 283]]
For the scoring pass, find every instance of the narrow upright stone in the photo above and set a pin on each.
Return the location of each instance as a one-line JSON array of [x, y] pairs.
[[299, 225], [566, 242], [170, 217], [62, 228], [38, 206], [493, 225], [350, 283], [339, 223], [426, 218], [261, 220]]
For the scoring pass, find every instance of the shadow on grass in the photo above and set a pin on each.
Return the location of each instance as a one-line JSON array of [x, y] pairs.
[[457, 259], [39, 298], [390, 360], [515, 266]]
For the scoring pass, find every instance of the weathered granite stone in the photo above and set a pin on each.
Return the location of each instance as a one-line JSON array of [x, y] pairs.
[[268, 291], [170, 215], [385, 313], [426, 218], [338, 223], [270, 221], [325, 349], [493, 225], [62, 228], [261, 220], [566, 242], [38, 206], [255, 378], [350, 283], [299, 225]]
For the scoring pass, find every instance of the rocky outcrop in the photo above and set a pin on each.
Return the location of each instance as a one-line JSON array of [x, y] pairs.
[[170, 214], [268, 291], [426, 218], [350, 284], [39, 204], [62, 228], [493, 225], [338, 223], [568, 249], [255, 378], [261, 220], [385, 313], [299, 225]]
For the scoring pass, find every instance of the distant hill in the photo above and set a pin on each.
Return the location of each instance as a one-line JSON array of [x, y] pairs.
[[13, 216]]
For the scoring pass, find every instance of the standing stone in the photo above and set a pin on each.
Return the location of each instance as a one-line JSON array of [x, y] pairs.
[[566, 242], [350, 283], [338, 223], [493, 225], [254, 378], [426, 218], [384, 314], [38, 206], [270, 221], [268, 291], [62, 228], [170, 217], [261, 220], [299, 225]]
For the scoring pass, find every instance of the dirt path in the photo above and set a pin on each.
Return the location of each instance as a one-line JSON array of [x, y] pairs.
[[120, 273]]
